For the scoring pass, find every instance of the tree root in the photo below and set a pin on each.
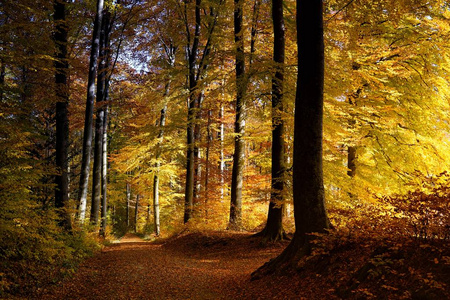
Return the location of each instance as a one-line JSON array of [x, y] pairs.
[[287, 261]]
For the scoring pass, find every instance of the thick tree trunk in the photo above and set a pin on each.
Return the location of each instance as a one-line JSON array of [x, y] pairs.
[[62, 120], [309, 205], [237, 176], [87, 137]]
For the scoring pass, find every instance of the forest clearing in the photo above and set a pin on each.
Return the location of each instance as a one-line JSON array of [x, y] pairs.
[[263, 149]]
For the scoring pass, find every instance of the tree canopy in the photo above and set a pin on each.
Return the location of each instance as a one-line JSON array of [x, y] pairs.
[[193, 121]]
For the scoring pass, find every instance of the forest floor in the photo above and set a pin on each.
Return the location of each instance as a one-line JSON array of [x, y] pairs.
[[218, 265]]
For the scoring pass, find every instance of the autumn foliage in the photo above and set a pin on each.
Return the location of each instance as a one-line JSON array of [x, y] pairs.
[[171, 66]]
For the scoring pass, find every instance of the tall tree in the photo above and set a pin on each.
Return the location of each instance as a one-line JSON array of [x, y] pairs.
[[87, 136], [62, 120], [106, 57], [237, 176], [100, 117], [309, 205], [190, 157], [136, 213], [197, 67], [170, 51], [274, 227]]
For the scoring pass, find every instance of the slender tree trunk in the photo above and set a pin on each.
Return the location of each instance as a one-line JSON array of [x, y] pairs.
[[62, 120], [170, 52], [190, 158], [2, 78], [274, 226], [207, 167], [107, 54], [128, 204], [136, 214], [237, 176], [309, 201], [100, 122], [197, 151], [254, 29], [222, 158], [162, 123], [351, 150], [156, 205], [104, 203], [87, 137]]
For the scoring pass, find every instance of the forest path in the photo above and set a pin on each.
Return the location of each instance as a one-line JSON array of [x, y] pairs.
[[194, 266]]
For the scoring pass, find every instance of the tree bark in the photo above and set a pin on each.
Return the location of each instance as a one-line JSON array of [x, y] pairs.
[[190, 158], [207, 164], [136, 214], [196, 72], [170, 52], [162, 123], [309, 205], [100, 122], [351, 150], [87, 137], [104, 203], [222, 158], [128, 205], [237, 176], [62, 120], [274, 227]]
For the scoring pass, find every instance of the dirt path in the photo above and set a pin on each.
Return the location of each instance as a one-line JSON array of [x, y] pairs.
[[188, 267]]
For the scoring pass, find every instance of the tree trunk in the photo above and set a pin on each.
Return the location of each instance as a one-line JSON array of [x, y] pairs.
[[136, 214], [104, 203], [87, 137], [162, 123], [170, 52], [190, 159], [222, 158], [62, 120], [128, 204], [237, 176], [107, 55], [2, 77], [274, 226], [197, 151], [351, 151], [254, 29], [207, 167], [100, 121], [309, 205]]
